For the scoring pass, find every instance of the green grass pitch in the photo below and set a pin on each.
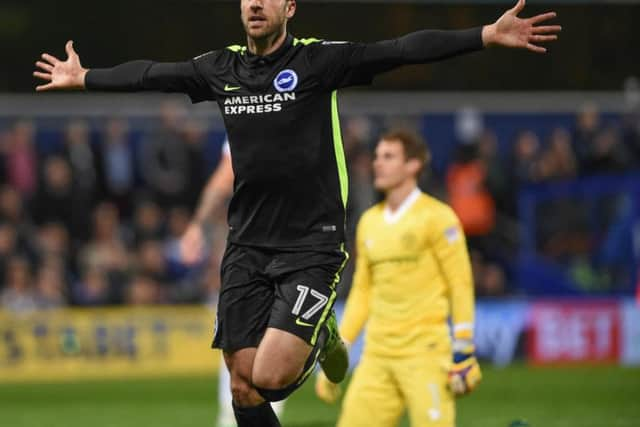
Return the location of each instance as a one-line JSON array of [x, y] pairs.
[[545, 397]]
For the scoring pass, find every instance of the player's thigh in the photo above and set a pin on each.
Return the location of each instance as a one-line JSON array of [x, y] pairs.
[[280, 358], [423, 381], [373, 398], [246, 298], [305, 291]]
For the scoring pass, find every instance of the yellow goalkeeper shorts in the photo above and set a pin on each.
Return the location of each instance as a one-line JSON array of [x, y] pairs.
[[382, 388]]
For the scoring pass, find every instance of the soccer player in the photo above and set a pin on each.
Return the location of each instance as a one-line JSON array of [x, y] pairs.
[[286, 219], [412, 274], [214, 197]]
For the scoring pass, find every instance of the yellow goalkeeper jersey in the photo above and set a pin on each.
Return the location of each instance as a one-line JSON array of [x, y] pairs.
[[412, 274]]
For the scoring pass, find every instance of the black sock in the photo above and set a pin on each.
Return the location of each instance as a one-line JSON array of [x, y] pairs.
[[256, 416]]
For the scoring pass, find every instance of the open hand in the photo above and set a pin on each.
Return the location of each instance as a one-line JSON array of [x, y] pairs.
[[192, 244], [60, 75], [511, 31]]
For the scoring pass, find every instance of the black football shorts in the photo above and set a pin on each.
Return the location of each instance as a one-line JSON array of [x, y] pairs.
[[292, 290]]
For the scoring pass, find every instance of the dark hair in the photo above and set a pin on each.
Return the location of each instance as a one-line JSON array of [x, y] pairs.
[[413, 145]]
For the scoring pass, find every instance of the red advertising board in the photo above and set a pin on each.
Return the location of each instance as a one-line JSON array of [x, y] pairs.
[[574, 332]]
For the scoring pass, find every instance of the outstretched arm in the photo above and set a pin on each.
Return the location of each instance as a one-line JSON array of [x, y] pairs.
[[431, 45], [348, 64], [128, 77]]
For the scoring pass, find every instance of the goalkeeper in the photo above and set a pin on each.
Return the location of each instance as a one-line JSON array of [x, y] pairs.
[[412, 275]]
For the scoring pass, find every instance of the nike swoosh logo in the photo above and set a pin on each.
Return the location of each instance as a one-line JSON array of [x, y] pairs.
[[228, 88], [301, 323]]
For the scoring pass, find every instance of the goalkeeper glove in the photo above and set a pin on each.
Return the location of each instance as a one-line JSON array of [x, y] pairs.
[[327, 391], [465, 374]]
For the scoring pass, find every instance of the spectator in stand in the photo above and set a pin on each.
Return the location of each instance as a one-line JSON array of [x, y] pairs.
[[152, 263], [526, 158], [93, 289], [51, 287], [588, 125], [148, 222], [52, 242], [558, 161], [143, 290], [608, 154], [469, 196], [13, 214], [488, 277], [21, 159], [631, 119], [107, 251], [496, 177], [164, 159], [8, 246], [117, 166], [83, 162], [54, 201], [17, 293]]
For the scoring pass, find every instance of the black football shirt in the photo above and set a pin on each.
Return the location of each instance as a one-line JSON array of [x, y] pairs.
[[281, 116]]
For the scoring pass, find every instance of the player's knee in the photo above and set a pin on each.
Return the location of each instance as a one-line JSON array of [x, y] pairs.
[[244, 394], [273, 380]]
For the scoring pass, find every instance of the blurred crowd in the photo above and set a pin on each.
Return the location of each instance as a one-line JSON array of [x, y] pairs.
[[96, 219]]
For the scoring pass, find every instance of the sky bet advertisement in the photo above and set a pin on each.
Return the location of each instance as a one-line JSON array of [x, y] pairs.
[[144, 342]]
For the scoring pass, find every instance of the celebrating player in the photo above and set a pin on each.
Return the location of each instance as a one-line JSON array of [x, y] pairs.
[[412, 274], [278, 100]]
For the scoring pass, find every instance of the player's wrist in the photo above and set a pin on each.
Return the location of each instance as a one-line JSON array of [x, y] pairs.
[[489, 37], [82, 79], [463, 348]]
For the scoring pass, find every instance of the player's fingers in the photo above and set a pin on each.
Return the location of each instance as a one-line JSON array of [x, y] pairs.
[[546, 29], [542, 17], [68, 47], [42, 88], [456, 384], [50, 59], [536, 49], [536, 38], [191, 250], [44, 66], [518, 7], [43, 76]]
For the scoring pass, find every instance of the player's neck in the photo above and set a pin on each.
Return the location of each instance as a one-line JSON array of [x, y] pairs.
[[267, 45], [395, 197]]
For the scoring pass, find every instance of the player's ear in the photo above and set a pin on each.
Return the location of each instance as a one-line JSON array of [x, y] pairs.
[[415, 166], [290, 8]]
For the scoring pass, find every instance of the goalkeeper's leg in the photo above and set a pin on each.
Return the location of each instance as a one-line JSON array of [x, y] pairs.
[[372, 398], [424, 383]]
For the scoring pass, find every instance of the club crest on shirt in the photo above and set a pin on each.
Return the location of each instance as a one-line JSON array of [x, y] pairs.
[[286, 81]]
